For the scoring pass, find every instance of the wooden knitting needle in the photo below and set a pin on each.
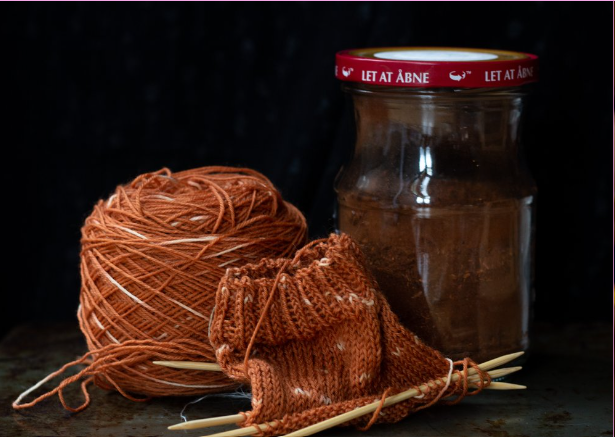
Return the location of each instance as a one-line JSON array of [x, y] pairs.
[[209, 422], [473, 378], [497, 373], [244, 431], [191, 365], [496, 362], [215, 367], [502, 386]]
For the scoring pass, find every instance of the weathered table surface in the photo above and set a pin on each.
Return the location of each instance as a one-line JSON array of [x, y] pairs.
[[569, 377]]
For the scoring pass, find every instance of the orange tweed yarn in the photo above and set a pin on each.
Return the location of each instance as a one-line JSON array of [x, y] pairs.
[[152, 256], [329, 342]]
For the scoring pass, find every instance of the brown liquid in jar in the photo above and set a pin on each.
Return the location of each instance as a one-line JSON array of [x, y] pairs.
[[453, 274]]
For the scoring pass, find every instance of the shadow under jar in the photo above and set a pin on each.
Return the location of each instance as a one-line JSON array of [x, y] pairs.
[[439, 198]]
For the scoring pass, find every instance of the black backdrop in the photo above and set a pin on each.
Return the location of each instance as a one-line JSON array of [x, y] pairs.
[[99, 93]]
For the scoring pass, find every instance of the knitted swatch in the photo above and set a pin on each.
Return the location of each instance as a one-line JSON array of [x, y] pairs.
[[320, 340]]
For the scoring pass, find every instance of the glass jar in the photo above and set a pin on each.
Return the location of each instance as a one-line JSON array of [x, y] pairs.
[[438, 193]]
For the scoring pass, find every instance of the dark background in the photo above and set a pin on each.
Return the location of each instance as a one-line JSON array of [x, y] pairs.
[[99, 93]]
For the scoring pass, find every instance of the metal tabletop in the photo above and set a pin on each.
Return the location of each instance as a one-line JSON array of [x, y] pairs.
[[569, 378]]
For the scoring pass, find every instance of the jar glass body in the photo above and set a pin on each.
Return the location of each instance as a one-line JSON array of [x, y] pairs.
[[439, 197]]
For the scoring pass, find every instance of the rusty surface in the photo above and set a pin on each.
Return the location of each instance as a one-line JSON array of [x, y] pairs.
[[569, 376]]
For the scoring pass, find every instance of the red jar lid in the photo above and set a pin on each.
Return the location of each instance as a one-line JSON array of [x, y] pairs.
[[430, 67]]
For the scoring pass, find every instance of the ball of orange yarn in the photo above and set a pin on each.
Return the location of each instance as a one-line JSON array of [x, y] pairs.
[[152, 256]]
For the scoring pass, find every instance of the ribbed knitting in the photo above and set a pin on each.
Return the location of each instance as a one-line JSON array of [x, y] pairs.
[[328, 341]]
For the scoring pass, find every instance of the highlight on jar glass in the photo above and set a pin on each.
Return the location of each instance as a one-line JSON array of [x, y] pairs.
[[438, 193]]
